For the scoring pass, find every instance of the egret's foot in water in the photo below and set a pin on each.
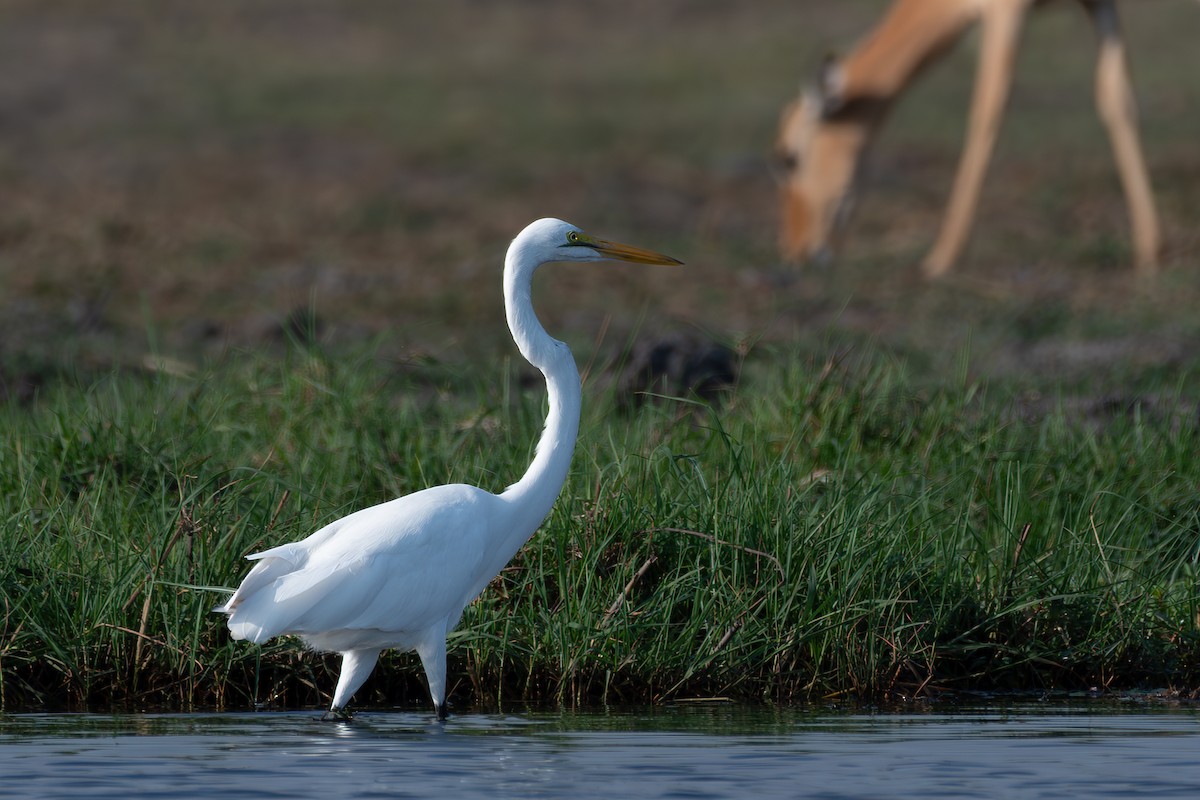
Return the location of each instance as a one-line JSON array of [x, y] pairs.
[[337, 715], [441, 712]]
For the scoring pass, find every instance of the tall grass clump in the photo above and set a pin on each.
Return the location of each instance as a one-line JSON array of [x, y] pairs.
[[831, 529], [836, 531]]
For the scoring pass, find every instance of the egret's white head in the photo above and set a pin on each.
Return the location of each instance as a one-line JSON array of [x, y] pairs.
[[554, 240]]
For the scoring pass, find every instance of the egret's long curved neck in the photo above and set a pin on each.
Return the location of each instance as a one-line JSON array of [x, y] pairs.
[[533, 496]]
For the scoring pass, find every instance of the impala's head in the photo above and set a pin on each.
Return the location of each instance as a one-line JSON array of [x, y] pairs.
[[821, 140]]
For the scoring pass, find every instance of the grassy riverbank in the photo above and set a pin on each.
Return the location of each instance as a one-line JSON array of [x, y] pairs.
[[985, 482], [833, 529]]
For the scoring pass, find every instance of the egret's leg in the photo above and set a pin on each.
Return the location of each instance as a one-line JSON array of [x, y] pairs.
[[433, 657], [356, 667]]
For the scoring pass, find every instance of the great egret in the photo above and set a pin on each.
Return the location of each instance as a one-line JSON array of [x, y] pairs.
[[398, 574]]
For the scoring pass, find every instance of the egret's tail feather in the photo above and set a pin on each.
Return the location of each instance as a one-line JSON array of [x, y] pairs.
[[250, 631]]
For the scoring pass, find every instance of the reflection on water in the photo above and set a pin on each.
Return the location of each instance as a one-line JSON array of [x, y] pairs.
[[682, 752]]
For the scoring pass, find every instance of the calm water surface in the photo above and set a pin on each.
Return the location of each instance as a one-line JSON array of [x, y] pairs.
[[685, 752]]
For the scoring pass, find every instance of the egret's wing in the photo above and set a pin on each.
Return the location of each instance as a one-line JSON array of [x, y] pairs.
[[398, 566], [408, 599], [407, 587], [282, 606], [274, 564]]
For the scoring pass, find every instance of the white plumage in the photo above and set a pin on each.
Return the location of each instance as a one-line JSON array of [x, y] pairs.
[[398, 575]]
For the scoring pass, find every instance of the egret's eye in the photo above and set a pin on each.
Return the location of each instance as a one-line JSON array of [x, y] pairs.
[[574, 238]]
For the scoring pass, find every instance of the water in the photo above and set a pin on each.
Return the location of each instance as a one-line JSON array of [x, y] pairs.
[[682, 752]]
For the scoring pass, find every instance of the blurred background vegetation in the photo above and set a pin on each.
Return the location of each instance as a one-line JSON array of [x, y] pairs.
[[184, 178]]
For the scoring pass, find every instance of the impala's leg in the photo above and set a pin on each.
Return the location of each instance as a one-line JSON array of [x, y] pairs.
[[1001, 22], [1118, 110]]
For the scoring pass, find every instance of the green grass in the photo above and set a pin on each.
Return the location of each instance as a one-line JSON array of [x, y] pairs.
[[834, 529], [987, 482]]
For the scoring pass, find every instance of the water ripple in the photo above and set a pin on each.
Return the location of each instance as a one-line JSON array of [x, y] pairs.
[[657, 753]]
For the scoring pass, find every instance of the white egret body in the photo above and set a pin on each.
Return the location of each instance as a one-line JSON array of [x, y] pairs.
[[398, 574]]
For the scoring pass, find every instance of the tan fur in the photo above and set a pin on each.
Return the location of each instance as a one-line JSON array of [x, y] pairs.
[[824, 135]]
